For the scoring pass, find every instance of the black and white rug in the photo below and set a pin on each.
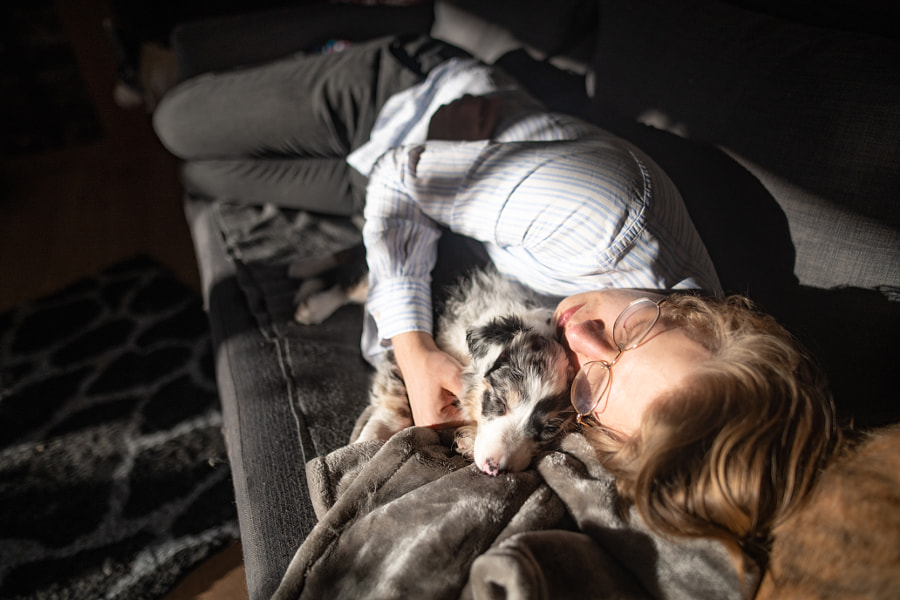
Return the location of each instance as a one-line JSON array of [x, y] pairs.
[[113, 477]]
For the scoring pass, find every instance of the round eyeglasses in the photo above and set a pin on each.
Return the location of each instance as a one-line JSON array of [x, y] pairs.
[[629, 331]]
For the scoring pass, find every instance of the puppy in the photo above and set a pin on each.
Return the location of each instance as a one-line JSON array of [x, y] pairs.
[[516, 376], [845, 543]]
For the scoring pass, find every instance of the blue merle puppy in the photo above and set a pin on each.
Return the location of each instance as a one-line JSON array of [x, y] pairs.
[[516, 377]]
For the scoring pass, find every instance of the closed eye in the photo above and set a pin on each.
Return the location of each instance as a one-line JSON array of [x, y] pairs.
[[550, 430], [547, 421], [493, 405]]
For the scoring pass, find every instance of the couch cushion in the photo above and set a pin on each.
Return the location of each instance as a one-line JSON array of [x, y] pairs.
[[813, 113]]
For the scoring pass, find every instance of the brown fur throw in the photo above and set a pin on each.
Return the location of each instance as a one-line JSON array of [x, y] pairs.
[[845, 544]]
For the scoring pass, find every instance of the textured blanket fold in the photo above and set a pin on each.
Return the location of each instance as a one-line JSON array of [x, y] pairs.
[[410, 518]]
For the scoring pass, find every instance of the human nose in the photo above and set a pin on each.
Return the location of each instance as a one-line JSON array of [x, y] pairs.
[[590, 340]]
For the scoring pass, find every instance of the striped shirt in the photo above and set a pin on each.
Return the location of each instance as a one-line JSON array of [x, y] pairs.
[[561, 206]]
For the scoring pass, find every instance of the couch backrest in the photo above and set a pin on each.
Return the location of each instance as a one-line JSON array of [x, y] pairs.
[[812, 113]]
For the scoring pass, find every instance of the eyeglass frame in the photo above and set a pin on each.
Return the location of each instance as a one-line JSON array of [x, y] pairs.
[[608, 365]]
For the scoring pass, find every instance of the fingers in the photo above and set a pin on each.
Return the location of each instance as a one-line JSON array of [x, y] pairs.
[[428, 412], [432, 377], [451, 383], [448, 411], [436, 405]]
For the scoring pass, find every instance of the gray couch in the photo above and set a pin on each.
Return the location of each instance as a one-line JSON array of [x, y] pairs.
[[782, 137]]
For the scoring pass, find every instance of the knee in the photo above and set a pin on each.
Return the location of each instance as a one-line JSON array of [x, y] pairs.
[[171, 122]]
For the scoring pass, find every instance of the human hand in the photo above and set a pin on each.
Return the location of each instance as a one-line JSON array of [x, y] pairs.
[[432, 378], [467, 118]]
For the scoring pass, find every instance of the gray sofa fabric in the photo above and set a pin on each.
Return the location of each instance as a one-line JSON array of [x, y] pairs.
[[266, 438], [814, 114]]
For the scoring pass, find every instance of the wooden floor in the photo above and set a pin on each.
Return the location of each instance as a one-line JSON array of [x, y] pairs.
[[67, 214]]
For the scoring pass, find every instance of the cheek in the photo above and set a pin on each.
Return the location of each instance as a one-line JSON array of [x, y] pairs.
[[619, 416], [633, 392]]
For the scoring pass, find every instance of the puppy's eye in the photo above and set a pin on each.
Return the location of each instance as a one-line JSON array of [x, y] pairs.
[[547, 422], [492, 405], [550, 430]]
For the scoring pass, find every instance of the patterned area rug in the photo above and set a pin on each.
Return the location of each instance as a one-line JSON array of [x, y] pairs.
[[43, 99], [113, 480]]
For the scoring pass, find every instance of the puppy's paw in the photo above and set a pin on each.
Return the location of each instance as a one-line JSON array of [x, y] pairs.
[[318, 307], [382, 426], [465, 440], [307, 288]]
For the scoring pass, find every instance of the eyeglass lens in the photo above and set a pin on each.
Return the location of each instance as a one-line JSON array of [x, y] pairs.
[[631, 327]]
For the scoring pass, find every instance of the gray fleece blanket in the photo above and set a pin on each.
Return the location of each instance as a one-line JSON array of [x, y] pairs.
[[409, 518]]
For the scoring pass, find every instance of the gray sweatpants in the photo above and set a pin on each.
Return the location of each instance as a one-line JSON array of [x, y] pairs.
[[279, 133]]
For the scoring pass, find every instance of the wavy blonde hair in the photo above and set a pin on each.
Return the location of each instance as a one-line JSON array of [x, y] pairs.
[[740, 447]]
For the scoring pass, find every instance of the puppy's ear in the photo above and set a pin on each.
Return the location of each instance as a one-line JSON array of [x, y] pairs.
[[495, 334], [540, 320]]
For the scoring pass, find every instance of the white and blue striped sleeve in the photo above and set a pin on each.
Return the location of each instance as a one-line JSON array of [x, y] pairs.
[[404, 213], [413, 191]]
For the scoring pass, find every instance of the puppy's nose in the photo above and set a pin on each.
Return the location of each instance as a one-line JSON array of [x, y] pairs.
[[491, 467]]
